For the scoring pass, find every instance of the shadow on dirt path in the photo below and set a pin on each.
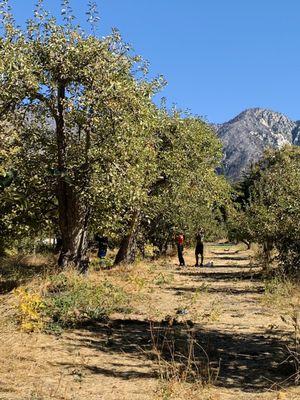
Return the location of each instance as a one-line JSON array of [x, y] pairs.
[[238, 338], [248, 361], [248, 358]]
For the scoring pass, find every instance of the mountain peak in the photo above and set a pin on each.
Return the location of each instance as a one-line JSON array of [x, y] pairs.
[[246, 136]]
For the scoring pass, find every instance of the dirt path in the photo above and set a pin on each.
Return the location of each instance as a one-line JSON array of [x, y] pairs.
[[247, 336], [113, 361]]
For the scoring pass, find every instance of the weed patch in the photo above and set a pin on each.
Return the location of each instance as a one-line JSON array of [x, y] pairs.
[[68, 300], [179, 355], [280, 292]]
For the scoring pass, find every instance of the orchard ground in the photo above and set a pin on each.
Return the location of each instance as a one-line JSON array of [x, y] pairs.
[[243, 325]]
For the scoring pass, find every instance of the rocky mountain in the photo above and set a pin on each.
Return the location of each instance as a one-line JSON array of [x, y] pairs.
[[246, 136]]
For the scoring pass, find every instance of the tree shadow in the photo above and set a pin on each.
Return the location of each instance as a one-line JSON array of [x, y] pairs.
[[16, 271], [229, 252], [247, 361], [215, 266], [227, 290], [130, 373], [229, 257], [224, 276], [7, 286], [226, 244]]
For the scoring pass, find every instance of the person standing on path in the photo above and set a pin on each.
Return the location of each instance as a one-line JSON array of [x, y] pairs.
[[180, 241], [199, 247]]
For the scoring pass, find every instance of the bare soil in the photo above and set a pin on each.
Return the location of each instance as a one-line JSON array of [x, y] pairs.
[[223, 305]]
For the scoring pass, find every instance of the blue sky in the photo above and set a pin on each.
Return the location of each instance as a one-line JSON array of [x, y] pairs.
[[218, 56]]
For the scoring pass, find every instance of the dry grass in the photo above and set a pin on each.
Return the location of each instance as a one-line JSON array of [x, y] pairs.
[[19, 270], [281, 293], [174, 390], [109, 363], [179, 356]]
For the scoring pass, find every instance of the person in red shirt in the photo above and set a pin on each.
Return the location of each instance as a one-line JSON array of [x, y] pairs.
[[180, 241]]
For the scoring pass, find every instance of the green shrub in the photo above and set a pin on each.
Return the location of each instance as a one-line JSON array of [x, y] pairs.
[[76, 300], [71, 300]]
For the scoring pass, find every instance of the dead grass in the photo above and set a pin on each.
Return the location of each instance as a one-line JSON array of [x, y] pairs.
[[179, 356], [174, 390], [19, 270], [281, 293]]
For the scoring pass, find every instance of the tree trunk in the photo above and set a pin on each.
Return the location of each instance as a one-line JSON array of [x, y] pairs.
[[73, 221], [73, 211], [2, 249], [127, 249], [247, 243], [267, 249]]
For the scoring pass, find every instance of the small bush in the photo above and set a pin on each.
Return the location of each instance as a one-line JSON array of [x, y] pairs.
[[76, 300], [68, 300], [31, 307], [279, 291]]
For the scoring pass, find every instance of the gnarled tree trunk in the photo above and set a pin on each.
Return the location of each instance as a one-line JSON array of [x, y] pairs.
[[73, 221], [127, 249], [73, 211]]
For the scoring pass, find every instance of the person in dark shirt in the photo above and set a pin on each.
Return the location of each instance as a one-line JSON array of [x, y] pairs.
[[199, 247], [180, 241], [102, 245]]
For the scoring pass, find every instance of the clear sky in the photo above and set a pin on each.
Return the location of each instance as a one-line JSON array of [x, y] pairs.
[[218, 56]]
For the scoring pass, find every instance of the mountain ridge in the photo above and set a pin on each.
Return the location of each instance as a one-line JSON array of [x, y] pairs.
[[247, 135]]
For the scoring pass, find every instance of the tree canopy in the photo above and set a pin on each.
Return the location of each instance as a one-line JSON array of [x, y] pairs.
[[85, 149], [270, 205]]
